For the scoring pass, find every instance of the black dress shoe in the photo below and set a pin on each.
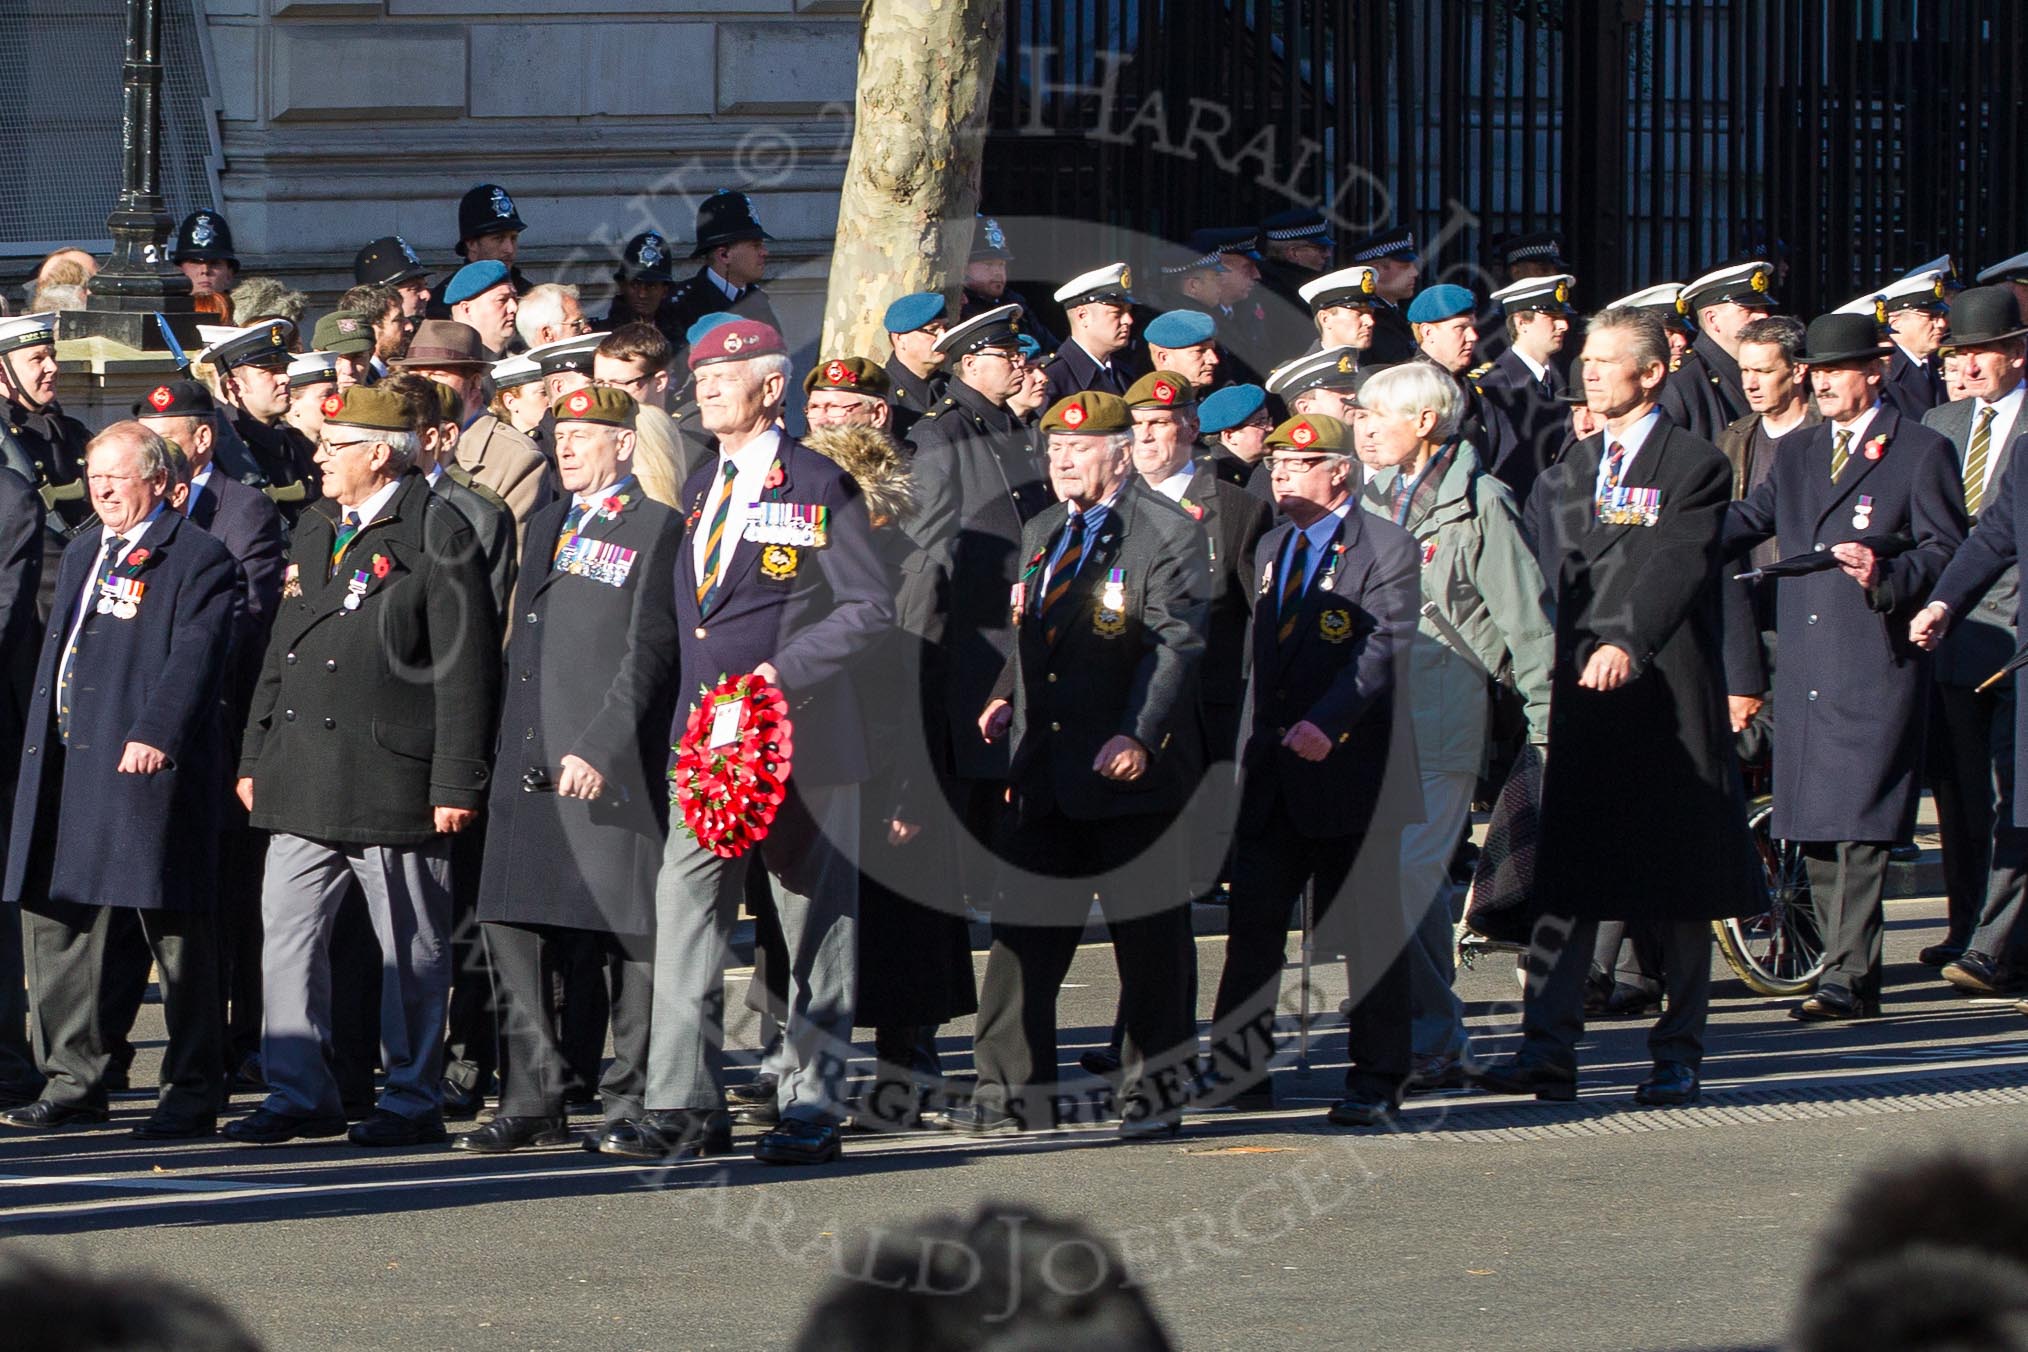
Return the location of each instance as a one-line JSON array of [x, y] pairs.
[[975, 1119], [1831, 1005], [390, 1130], [1433, 1073], [1976, 972], [673, 1134], [757, 1114], [1936, 955], [162, 1128], [621, 1136], [1671, 1084], [43, 1115], [1907, 852], [1153, 1127], [1104, 1063], [459, 1103], [19, 1095], [760, 1089], [503, 1134], [262, 1127], [795, 1141], [1630, 1002], [1514, 1075], [1361, 1110]]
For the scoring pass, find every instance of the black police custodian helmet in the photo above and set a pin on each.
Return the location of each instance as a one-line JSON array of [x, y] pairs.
[[204, 237], [726, 217], [486, 210]]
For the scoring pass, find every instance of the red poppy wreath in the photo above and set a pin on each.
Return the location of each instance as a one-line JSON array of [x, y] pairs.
[[732, 766]]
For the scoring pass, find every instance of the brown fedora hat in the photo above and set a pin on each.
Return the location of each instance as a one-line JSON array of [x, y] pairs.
[[445, 342]]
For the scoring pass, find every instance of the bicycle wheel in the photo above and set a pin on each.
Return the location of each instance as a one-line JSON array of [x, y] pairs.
[[1779, 951]]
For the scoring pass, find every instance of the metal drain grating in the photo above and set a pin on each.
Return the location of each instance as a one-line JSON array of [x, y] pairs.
[[1813, 1099]]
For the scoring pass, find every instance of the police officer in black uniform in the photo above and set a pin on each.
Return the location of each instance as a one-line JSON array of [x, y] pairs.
[[202, 249], [489, 226], [389, 261], [645, 278], [1398, 268], [252, 381], [733, 248], [41, 442], [986, 282]]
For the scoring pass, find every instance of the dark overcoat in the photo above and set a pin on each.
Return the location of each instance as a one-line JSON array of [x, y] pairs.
[[250, 527], [1912, 387], [1851, 693], [976, 457], [366, 719], [1643, 815], [146, 841], [1540, 419], [1994, 549], [578, 634], [1703, 396], [21, 535], [1131, 670], [1234, 521]]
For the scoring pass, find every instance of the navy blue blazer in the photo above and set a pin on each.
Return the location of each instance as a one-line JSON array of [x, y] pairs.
[[250, 527], [1851, 694], [1995, 545], [147, 841], [1339, 669], [811, 612]]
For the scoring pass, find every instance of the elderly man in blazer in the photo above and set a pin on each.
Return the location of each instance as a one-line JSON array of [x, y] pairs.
[[1851, 698], [1643, 817], [795, 607], [366, 749], [122, 773], [1100, 702], [1971, 752], [1329, 748]]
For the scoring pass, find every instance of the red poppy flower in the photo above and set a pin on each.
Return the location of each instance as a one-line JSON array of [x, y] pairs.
[[612, 505], [136, 557], [381, 565], [775, 477]]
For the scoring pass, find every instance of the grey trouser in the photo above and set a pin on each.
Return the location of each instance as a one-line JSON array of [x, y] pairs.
[[815, 842], [1437, 1015], [408, 897]]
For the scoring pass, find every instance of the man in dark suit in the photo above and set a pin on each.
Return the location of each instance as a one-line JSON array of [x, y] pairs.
[[578, 809], [1523, 383], [121, 775], [1099, 354], [1918, 319], [21, 534], [1851, 702], [1100, 701], [1235, 423], [1971, 752], [733, 249], [1643, 818], [250, 380], [973, 454], [249, 525], [1702, 395], [366, 749], [781, 580], [1327, 737]]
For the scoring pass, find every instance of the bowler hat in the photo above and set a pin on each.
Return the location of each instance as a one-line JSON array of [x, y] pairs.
[[1985, 314], [1835, 340]]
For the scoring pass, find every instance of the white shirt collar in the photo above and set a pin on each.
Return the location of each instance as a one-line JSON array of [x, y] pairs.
[[1857, 427], [434, 473], [1176, 484], [132, 536], [374, 507], [2007, 407], [727, 289], [756, 453], [1535, 368], [1633, 438]]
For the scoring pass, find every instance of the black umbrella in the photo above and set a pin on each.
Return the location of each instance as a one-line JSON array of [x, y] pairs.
[[1817, 560], [2014, 664]]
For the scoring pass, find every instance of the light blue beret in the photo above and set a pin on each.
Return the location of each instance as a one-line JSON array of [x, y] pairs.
[[1228, 408], [911, 312], [1180, 328], [473, 278], [707, 324], [1440, 303]]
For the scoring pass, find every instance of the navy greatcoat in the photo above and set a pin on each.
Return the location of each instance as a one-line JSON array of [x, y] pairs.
[[145, 841], [1643, 815], [1851, 693], [564, 861]]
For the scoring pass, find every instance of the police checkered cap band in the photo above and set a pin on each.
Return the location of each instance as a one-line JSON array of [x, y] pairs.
[[1209, 260], [1318, 230], [1546, 249], [1382, 248]]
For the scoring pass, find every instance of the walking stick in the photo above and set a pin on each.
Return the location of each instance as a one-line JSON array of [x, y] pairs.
[[1303, 1011]]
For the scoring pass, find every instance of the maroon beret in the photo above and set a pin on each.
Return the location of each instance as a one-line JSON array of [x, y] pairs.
[[737, 341]]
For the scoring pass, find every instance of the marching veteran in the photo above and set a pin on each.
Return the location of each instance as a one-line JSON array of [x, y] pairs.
[[365, 750], [578, 806], [122, 777], [780, 578]]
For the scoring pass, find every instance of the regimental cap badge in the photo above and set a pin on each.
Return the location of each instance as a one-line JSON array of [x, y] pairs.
[[1759, 279], [578, 403], [1682, 305], [1366, 282], [733, 342], [203, 230], [1562, 293], [835, 372], [277, 336], [1348, 363], [1165, 392], [651, 250], [1879, 310], [996, 238], [1073, 416], [1302, 434], [161, 397], [347, 324], [1937, 290], [502, 204], [332, 403], [1126, 280]]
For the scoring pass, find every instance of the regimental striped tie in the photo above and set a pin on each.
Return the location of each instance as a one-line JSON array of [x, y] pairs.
[[1975, 460], [571, 521], [347, 529], [1615, 463], [1055, 601], [1841, 451], [1292, 588], [708, 583]]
